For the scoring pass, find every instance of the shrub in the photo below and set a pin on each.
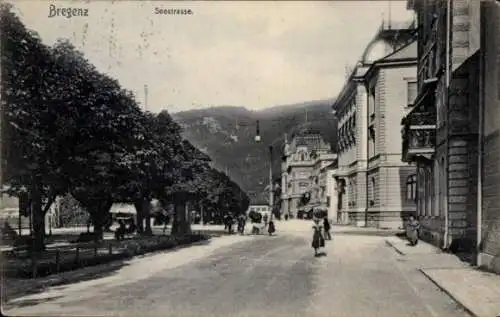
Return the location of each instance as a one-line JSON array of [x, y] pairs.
[[46, 265]]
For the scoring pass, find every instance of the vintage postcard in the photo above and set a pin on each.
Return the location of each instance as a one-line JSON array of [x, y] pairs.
[[250, 158]]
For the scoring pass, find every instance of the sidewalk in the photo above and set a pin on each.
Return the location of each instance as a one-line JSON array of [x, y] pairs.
[[478, 292], [404, 248]]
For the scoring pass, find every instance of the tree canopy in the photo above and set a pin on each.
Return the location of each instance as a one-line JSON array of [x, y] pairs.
[[69, 128]]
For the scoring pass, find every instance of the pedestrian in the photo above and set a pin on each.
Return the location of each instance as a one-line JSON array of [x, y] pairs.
[[318, 240], [412, 230], [271, 229], [241, 224], [226, 222], [326, 225]]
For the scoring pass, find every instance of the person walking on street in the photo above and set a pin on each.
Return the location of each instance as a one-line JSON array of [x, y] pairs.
[[241, 224], [327, 227], [271, 229], [318, 240], [412, 230]]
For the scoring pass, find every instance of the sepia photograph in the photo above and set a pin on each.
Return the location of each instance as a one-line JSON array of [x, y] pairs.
[[250, 158]]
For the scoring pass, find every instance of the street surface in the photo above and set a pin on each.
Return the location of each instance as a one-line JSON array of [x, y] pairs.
[[255, 276]]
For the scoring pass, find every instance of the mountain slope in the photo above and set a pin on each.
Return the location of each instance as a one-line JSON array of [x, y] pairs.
[[227, 134]]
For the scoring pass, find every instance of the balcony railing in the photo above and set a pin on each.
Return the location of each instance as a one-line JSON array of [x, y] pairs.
[[418, 141], [420, 118], [419, 136]]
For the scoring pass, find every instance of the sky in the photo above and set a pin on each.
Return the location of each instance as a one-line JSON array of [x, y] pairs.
[[251, 54]]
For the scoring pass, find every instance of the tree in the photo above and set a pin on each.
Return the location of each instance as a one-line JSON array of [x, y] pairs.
[[107, 128], [32, 129]]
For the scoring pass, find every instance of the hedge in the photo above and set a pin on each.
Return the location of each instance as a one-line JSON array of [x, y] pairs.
[[57, 261]]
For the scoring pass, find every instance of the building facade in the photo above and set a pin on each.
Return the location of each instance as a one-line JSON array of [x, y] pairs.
[[489, 181], [374, 187], [444, 134], [297, 167], [321, 181]]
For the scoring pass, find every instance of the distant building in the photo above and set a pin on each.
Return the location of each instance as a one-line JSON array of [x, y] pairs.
[[374, 187], [298, 162], [322, 189]]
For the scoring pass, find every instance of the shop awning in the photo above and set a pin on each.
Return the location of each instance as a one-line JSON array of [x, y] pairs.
[[119, 208]]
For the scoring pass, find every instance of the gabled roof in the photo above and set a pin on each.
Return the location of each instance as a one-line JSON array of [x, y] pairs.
[[408, 51]]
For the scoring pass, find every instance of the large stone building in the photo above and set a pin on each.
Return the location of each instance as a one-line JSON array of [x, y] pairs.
[[445, 134], [299, 159], [375, 187]]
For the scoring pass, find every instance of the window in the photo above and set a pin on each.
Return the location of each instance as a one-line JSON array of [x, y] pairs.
[[371, 103], [412, 92], [372, 191], [411, 187], [371, 141]]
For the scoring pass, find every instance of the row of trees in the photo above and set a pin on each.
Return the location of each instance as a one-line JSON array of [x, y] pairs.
[[68, 128]]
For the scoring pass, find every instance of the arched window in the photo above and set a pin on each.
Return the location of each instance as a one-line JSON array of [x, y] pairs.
[[411, 187], [302, 156]]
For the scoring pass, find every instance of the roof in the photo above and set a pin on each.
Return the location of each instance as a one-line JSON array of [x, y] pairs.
[[259, 205], [408, 51], [392, 35], [123, 209]]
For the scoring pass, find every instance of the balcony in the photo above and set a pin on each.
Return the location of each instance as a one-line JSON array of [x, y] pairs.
[[419, 136]]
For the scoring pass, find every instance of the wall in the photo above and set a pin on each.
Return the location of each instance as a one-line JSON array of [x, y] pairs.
[[491, 160], [389, 190], [393, 107]]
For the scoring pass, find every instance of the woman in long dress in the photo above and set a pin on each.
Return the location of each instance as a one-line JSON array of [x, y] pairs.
[[318, 240], [412, 230]]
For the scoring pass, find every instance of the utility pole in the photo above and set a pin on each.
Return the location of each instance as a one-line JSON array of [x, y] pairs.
[[271, 192], [146, 97], [389, 17]]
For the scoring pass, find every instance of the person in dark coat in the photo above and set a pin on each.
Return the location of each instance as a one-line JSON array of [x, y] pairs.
[[271, 228], [326, 226], [318, 240]]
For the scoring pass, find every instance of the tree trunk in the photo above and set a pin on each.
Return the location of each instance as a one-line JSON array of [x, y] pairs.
[[143, 208], [139, 216], [99, 216], [38, 220], [202, 213], [181, 225], [99, 213]]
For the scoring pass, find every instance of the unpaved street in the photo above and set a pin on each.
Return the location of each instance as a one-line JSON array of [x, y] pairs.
[[255, 276]]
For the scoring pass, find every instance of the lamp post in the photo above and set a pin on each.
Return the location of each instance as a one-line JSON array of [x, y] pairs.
[[271, 191]]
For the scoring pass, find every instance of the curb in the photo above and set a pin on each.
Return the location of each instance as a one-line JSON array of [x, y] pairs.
[[444, 290], [388, 243]]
